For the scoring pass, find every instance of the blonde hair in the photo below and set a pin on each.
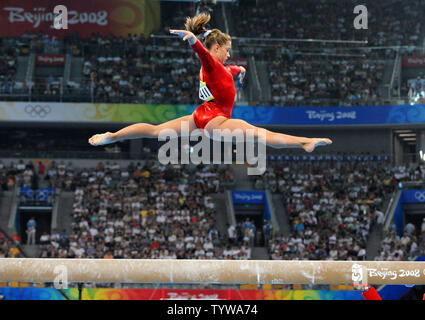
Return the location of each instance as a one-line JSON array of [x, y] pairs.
[[196, 25]]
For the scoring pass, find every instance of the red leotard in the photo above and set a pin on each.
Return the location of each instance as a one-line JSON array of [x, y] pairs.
[[219, 80]]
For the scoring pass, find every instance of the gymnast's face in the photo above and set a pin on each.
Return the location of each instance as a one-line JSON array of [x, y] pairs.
[[222, 52]]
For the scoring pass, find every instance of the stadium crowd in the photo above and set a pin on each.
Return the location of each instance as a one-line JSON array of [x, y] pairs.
[[154, 211], [139, 70], [343, 81], [309, 73], [8, 65], [135, 69], [407, 247], [142, 211], [18, 174], [331, 211], [154, 70], [399, 23], [9, 248]]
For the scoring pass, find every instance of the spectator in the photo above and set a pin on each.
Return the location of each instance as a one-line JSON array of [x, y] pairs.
[[31, 230], [108, 255], [379, 217], [267, 231], [409, 228], [14, 252], [16, 238], [44, 239], [41, 168], [231, 232]]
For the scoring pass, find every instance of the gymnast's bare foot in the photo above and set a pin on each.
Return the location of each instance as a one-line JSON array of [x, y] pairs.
[[102, 139], [316, 142]]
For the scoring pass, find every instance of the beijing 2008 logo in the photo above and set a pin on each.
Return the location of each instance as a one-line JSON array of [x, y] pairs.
[[356, 273], [38, 110]]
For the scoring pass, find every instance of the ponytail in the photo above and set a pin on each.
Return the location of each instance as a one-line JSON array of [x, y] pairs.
[[196, 25]]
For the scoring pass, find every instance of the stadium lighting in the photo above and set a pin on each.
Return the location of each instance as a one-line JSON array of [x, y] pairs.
[[407, 135], [403, 131]]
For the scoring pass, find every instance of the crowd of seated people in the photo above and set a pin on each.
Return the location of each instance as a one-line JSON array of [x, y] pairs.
[[8, 66], [311, 195], [346, 81], [143, 211], [415, 90], [10, 247], [327, 72], [141, 71], [135, 69], [407, 247], [394, 23], [153, 211], [331, 211], [19, 174], [11, 48]]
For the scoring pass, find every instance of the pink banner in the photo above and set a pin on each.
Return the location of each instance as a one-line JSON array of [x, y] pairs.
[[238, 62], [414, 61], [50, 59]]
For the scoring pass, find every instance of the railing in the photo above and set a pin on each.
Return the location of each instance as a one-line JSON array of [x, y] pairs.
[[231, 219], [395, 76], [255, 94], [56, 90], [226, 24], [30, 67], [390, 209]]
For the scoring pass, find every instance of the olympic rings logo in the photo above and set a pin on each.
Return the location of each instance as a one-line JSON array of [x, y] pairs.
[[38, 110], [420, 196]]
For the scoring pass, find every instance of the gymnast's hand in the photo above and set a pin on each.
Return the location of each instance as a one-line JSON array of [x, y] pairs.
[[242, 73], [186, 35], [241, 77], [102, 139]]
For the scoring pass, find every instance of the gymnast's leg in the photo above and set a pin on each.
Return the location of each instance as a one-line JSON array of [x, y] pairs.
[[273, 139], [142, 130]]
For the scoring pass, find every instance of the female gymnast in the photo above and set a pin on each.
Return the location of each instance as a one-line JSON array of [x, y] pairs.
[[218, 91]]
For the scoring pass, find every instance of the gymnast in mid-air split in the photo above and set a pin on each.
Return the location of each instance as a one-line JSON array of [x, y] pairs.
[[217, 90]]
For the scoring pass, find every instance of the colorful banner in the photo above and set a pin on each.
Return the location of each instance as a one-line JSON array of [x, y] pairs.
[[117, 17], [259, 115], [90, 112], [180, 294], [50, 59], [413, 61]]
